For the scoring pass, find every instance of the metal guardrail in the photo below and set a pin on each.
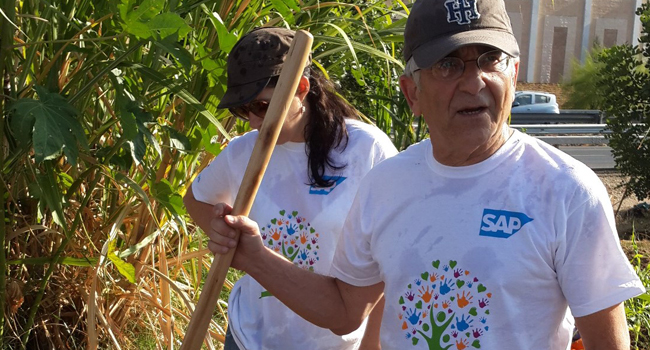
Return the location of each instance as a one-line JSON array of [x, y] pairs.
[[569, 127], [567, 134], [546, 129], [566, 116]]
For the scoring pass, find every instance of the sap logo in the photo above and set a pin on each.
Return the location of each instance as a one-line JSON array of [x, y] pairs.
[[501, 223], [325, 191]]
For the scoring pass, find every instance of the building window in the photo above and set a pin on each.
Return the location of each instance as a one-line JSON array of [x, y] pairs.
[[610, 37], [558, 53]]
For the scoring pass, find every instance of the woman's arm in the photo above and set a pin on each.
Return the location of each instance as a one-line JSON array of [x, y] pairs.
[[202, 213]]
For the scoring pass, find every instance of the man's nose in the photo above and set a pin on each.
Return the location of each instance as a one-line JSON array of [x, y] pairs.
[[473, 79]]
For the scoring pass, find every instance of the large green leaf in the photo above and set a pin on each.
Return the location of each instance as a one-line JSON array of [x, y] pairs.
[[126, 115], [226, 39], [127, 270], [50, 122], [171, 45], [177, 140], [284, 10], [208, 140], [145, 21], [135, 248], [167, 197], [142, 118], [134, 119]]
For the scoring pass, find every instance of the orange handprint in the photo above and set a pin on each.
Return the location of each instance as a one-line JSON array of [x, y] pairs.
[[303, 238], [292, 241], [425, 294], [434, 277], [461, 344], [445, 304], [275, 234], [464, 299]]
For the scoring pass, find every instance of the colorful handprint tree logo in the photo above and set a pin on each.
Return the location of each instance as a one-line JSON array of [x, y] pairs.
[[292, 236], [445, 307]]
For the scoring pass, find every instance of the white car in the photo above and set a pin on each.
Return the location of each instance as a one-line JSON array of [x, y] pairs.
[[535, 102]]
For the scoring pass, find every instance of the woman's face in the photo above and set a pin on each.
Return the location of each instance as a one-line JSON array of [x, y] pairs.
[[293, 129]]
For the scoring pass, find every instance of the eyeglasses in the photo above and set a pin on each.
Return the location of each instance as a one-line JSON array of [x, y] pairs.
[[450, 68], [258, 107]]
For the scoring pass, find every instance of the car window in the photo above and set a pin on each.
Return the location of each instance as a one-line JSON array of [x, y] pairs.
[[524, 100], [542, 99]]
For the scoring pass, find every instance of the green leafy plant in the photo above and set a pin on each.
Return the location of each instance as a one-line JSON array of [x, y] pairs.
[[637, 310], [584, 77], [621, 77]]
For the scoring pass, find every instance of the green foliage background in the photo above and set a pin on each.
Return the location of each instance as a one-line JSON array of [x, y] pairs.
[[616, 80], [108, 112]]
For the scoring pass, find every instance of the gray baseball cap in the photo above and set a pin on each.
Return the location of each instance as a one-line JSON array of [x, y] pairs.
[[255, 59], [436, 28]]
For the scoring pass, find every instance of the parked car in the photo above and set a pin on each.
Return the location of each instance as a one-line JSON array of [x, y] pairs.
[[535, 102]]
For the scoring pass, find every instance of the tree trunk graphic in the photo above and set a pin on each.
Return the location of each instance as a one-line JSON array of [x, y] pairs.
[[446, 308], [437, 331]]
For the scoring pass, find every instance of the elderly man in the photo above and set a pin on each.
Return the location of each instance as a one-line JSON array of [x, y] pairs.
[[482, 237]]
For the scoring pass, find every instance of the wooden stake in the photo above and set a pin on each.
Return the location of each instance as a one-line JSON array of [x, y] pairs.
[[284, 92]]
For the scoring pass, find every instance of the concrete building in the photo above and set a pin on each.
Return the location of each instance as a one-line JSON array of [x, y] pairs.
[[553, 33]]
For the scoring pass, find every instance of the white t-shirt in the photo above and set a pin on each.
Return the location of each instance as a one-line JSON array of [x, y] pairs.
[[488, 255], [299, 221]]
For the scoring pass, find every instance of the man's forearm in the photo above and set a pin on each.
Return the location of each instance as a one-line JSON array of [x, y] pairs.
[[314, 297], [605, 329]]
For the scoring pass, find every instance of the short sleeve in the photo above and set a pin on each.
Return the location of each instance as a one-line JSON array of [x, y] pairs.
[[383, 147], [353, 261], [592, 268], [216, 183]]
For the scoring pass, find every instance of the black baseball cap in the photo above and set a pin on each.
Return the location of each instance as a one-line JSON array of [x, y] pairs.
[[255, 59], [436, 28]]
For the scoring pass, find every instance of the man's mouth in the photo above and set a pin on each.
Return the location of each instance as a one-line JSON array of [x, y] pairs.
[[472, 111]]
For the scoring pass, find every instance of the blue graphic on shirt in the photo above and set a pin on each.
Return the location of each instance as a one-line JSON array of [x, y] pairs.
[[325, 191], [502, 223]]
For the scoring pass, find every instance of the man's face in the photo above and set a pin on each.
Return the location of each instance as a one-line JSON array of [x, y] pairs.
[[465, 115]]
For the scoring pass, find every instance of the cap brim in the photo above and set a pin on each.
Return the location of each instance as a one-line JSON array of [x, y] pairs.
[[242, 94], [428, 54]]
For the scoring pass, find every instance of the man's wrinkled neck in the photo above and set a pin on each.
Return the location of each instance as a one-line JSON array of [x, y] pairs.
[[463, 157]]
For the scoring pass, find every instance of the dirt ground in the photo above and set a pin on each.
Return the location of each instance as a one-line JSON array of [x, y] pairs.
[[631, 215]]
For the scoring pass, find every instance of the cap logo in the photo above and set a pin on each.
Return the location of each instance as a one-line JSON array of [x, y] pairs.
[[461, 11]]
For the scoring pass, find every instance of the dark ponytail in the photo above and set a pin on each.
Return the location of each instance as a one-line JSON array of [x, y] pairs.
[[325, 130]]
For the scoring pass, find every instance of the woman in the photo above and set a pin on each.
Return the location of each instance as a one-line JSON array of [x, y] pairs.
[[304, 197]]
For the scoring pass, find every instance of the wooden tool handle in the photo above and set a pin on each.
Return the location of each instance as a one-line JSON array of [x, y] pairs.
[[284, 92]]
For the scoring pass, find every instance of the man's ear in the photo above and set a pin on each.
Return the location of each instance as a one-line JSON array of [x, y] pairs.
[[410, 89], [303, 88], [514, 79]]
